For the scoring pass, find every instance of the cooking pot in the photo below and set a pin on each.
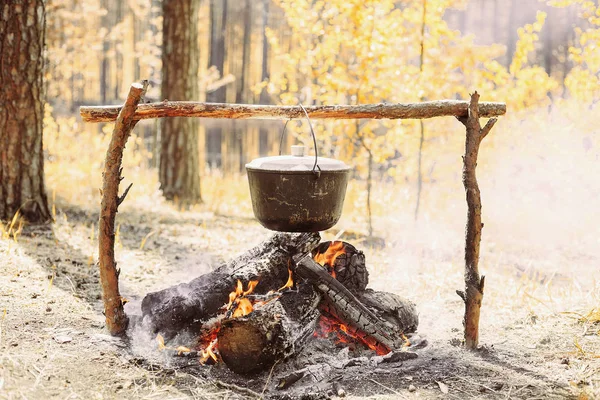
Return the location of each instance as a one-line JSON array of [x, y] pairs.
[[298, 193]]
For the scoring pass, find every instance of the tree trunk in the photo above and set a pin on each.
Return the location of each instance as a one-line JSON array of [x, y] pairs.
[[244, 93], [22, 31], [104, 65], [548, 42], [217, 45], [118, 73], [179, 161], [462, 20], [421, 124], [495, 23], [264, 76], [512, 32]]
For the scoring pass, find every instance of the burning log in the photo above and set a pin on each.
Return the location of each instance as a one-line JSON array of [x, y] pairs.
[[263, 306], [345, 263], [272, 332], [279, 329], [185, 306], [342, 304]]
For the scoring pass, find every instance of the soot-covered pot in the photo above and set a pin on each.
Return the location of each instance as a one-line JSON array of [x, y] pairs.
[[297, 193]]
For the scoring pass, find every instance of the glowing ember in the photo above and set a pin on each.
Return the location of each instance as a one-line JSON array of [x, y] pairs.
[[328, 258], [347, 334], [328, 326]]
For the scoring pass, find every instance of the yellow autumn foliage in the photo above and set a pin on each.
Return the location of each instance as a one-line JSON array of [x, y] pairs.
[[353, 52]]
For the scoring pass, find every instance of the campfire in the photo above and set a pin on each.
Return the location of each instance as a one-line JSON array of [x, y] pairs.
[[266, 305]]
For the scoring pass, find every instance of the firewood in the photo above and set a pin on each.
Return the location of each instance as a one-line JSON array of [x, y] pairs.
[[272, 332], [279, 321], [349, 267], [279, 329], [344, 305], [401, 313], [187, 305]]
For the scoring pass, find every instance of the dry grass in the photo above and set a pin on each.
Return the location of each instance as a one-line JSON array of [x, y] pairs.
[[13, 228]]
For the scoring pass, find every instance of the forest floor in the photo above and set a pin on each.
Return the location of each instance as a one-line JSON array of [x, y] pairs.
[[538, 336]]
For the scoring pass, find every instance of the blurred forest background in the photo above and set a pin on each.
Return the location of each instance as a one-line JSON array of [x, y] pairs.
[[541, 58]]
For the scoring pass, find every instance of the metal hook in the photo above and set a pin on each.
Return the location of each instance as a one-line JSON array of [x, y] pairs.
[[316, 169]]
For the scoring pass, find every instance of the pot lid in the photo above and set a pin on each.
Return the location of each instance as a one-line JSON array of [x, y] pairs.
[[296, 162]]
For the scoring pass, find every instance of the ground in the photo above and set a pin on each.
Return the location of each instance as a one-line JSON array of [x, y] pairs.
[[536, 340]]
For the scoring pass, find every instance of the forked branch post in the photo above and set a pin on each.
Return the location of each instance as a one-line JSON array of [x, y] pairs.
[[116, 319], [474, 284]]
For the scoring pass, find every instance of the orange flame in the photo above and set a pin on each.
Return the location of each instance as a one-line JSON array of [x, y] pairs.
[[406, 341], [289, 283], [328, 258], [243, 306], [208, 353], [251, 286], [239, 289]]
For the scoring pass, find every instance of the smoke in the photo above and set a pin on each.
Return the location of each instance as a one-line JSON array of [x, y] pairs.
[[538, 172], [540, 186]]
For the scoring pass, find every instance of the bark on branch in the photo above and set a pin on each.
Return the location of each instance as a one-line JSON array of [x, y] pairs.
[[116, 320], [474, 284], [422, 110]]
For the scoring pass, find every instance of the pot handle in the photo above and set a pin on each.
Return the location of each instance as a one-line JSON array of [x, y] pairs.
[[316, 169]]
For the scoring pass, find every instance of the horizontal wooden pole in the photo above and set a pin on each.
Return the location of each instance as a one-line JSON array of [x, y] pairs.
[[423, 110]]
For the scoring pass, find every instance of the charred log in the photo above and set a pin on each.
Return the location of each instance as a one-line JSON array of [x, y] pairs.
[[398, 316], [348, 267], [399, 312], [186, 305], [272, 332], [343, 305]]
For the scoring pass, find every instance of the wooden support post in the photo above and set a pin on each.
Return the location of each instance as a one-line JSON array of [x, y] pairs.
[[116, 320], [474, 284]]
